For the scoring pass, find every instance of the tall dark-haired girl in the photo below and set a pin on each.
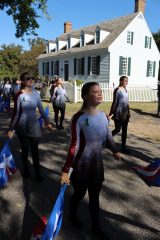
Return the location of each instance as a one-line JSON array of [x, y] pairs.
[[89, 130], [120, 112]]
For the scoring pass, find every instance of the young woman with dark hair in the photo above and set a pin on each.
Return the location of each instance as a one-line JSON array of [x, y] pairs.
[[25, 123], [120, 112], [89, 130]]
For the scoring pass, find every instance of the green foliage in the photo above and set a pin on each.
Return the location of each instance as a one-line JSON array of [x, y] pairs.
[[28, 58], [25, 14], [14, 61], [157, 38], [10, 60]]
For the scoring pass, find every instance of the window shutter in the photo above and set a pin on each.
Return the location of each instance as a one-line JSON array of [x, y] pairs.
[[146, 41], [129, 66], [148, 62], [51, 68], [75, 66], [132, 34], [47, 68], [98, 64], [120, 65], [83, 65], [89, 65], [154, 69], [150, 42]]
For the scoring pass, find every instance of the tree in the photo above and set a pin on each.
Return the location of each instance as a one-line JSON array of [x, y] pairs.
[[157, 38], [28, 58], [25, 14], [10, 60]]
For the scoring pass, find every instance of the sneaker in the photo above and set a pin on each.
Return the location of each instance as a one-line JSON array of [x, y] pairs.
[[76, 222], [60, 127], [39, 178], [124, 150], [100, 234]]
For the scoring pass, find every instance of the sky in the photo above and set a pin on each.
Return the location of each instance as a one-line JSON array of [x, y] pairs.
[[80, 13]]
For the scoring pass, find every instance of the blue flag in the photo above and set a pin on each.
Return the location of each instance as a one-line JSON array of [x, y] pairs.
[[7, 165], [151, 173], [40, 119], [55, 220]]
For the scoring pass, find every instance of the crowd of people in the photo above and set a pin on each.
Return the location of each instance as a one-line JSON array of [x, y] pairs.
[[89, 129]]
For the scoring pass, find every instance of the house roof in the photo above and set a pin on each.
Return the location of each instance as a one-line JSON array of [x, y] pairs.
[[115, 27]]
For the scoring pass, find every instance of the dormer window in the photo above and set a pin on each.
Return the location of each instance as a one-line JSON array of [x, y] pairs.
[[69, 42], [82, 39], [97, 36], [130, 37]]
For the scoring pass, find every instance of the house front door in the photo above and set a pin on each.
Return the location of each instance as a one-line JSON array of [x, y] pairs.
[[66, 71]]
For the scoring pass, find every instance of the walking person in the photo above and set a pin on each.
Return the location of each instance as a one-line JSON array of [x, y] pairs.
[[59, 105], [25, 123], [89, 130], [120, 112]]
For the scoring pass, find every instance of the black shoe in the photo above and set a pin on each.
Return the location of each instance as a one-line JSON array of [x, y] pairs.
[[60, 127], [76, 222], [99, 233], [39, 178], [124, 150], [26, 175]]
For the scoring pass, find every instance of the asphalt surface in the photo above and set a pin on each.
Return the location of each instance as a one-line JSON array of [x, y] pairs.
[[129, 208]]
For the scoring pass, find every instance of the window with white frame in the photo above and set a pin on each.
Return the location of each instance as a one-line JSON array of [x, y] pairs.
[[148, 42], [130, 37], [79, 66], [94, 65], [124, 66], [151, 67]]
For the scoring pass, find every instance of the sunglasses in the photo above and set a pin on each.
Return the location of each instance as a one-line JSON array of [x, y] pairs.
[[29, 78]]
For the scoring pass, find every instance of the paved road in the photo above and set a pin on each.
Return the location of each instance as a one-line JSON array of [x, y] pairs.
[[129, 208]]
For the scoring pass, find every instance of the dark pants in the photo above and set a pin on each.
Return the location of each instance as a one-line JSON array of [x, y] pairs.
[[56, 112], [30, 143], [118, 126], [80, 189]]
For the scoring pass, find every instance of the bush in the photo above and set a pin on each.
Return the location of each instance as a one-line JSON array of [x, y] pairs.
[[78, 82]]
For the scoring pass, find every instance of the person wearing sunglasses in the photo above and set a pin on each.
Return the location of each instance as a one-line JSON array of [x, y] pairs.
[[24, 121]]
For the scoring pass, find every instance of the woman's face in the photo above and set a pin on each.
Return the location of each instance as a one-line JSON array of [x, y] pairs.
[[124, 82], [29, 82], [94, 97]]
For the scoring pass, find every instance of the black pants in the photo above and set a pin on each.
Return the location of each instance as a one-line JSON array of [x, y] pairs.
[[29, 143], [80, 189], [56, 112], [118, 126]]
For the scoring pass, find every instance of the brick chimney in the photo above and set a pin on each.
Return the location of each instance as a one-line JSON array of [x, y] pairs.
[[140, 6], [67, 27]]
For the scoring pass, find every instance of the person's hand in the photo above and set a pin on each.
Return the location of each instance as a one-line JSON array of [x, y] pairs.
[[49, 126], [65, 178], [117, 156], [10, 134]]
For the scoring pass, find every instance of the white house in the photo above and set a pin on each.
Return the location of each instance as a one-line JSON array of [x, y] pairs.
[[105, 51]]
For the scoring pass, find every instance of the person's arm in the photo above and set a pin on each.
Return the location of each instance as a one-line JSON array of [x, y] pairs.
[[41, 110], [74, 135], [111, 144], [17, 111], [65, 94], [114, 103]]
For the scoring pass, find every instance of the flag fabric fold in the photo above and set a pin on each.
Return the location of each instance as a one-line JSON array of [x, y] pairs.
[[55, 220], [40, 119], [7, 164], [151, 173]]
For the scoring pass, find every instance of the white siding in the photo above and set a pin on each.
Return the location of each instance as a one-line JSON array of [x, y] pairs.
[[137, 52]]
